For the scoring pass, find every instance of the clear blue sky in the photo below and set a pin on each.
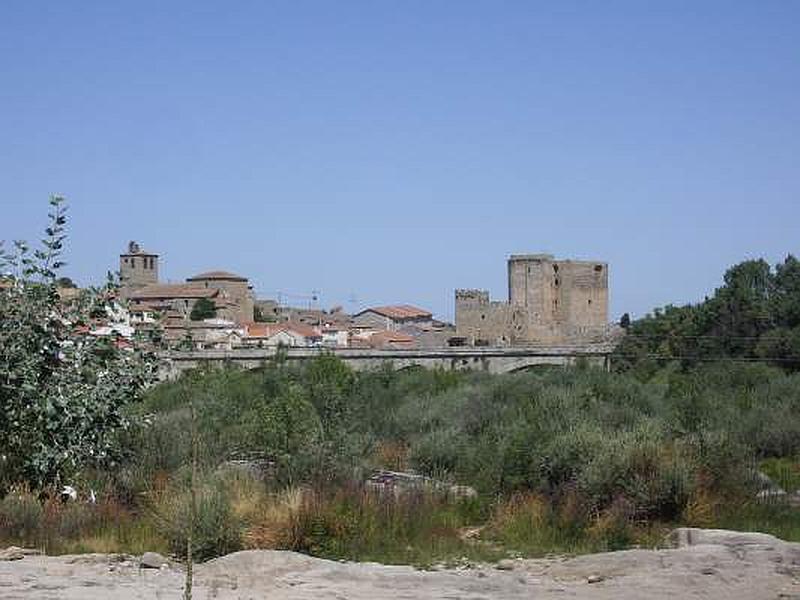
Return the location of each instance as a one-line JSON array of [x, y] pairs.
[[393, 151]]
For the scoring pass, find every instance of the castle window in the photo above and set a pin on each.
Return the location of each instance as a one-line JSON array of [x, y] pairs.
[[598, 268], [555, 268], [483, 317], [590, 300], [133, 263], [557, 282]]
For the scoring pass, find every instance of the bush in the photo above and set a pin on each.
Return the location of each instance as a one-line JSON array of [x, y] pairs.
[[20, 517], [350, 522], [216, 530], [65, 391]]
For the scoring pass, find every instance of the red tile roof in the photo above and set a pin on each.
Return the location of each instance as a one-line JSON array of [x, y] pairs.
[[265, 330], [259, 330], [178, 290], [217, 276], [391, 336], [298, 328], [382, 339], [399, 312]]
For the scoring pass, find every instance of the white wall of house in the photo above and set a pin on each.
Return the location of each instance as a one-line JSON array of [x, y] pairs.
[[335, 338], [287, 338]]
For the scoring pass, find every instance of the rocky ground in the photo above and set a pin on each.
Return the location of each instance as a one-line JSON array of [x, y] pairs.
[[704, 564]]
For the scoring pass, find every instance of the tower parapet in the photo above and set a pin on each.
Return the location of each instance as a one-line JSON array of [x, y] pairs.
[[549, 301]]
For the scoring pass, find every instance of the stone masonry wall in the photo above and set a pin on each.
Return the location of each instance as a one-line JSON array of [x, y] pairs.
[[549, 301]]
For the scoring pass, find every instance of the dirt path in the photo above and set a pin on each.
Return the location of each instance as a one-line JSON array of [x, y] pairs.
[[711, 564]]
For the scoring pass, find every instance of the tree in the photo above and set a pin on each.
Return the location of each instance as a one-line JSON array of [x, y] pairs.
[[204, 308], [755, 315], [787, 292], [63, 391]]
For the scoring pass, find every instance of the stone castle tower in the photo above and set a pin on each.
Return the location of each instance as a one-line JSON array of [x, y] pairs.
[[549, 301], [137, 268]]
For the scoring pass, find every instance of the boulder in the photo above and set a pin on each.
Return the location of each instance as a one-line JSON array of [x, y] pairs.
[[17, 553], [152, 560], [398, 483]]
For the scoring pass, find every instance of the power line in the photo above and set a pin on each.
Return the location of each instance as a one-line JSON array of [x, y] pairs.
[[708, 358], [692, 337]]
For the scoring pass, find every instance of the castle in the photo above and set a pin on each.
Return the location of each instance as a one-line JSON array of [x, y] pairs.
[[549, 301]]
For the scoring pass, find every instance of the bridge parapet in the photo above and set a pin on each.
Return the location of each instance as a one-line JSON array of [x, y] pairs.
[[490, 359]]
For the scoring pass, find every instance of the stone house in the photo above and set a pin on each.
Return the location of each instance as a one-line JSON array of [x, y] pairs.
[[235, 287], [294, 335], [199, 335], [391, 340], [232, 294], [179, 299], [265, 335], [335, 337], [392, 318]]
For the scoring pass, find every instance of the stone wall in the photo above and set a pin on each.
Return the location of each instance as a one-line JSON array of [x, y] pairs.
[[137, 269], [238, 292], [482, 321], [549, 301]]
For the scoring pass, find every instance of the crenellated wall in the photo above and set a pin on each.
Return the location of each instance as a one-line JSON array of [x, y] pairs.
[[549, 301]]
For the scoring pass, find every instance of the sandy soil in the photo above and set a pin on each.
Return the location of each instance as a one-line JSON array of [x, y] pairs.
[[712, 564]]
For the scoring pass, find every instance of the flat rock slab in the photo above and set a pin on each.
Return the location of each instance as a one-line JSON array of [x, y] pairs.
[[152, 560], [706, 564]]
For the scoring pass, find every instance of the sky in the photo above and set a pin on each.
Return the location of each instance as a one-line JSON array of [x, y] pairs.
[[389, 152]]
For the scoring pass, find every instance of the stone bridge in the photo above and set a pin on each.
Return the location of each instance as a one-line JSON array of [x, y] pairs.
[[492, 360]]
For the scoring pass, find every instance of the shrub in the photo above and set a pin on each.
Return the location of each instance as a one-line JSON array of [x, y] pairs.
[[530, 523], [20, 516], [65, 391], [216, 530]]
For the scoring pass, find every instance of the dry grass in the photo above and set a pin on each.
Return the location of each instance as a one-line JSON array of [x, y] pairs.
[[75, 527], [276, 520], [392, 455]]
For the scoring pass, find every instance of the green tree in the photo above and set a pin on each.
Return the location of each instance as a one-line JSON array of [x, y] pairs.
[[204, 308], [786, 299], [289, 430], [754, 314], [63, 391]]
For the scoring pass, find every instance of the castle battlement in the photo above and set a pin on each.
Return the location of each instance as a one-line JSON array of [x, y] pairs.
[[549, 300]]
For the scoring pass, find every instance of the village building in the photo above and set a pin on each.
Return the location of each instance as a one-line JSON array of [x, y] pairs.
[[293, 335], [236, 288], [231, 294], [220, 334], [391, 340], [335, 337], [392, 318]]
